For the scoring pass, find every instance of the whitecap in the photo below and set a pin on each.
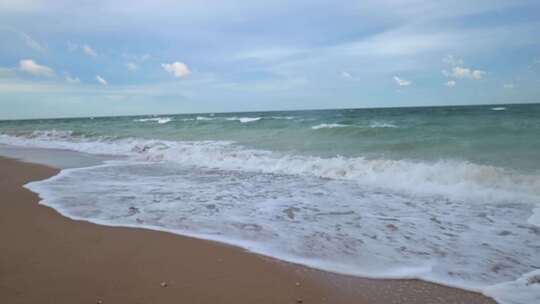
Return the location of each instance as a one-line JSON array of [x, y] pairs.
[[382, 124], [159, 120], [204, 118], [244, 119], [329, 126]]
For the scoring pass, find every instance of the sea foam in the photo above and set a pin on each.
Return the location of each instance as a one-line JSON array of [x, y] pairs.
[[159, 120], [329, 126]]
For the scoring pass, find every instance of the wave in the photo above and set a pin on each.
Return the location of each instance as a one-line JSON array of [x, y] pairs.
[[244, 119], [372, 124], [329, 126], [159, 120], [456, 179], [283, 117], [382, 124], [499, 109], [204, 118]]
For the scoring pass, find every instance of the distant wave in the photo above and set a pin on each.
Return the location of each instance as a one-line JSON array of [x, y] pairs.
[[373, 124], [244, 119], [498, 108], [159, 120], [204, 118], [329, 126], [283, 117], [382, 124]]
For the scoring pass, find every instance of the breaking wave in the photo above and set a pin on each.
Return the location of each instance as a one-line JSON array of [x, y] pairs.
[[159, 120], [329, 126], [456, 179], [244, 119]]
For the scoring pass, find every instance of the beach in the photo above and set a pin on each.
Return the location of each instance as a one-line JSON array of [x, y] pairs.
[[47, 258]]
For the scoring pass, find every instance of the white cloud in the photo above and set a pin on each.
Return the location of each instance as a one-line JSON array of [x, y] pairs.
[[402, 82], [177, 69], [89, 51], [453, 61], [450, 83], [30, 67], [464, 73], [132, 66], [29, 41], [70, 79], [347, 75], [509, 86], [101, 80], [85, 48]]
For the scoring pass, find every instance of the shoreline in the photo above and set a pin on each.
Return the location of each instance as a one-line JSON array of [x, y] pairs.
[[47, 257]]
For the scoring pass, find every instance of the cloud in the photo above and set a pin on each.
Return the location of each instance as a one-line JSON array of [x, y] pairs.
[[132, 66], [460, 72], [70, 79], [29, 41], [30, 67], [346, 75], [450, 83], [453, 61], [89, 51], [101, 80], [464, 73], [402, 82], [86, 49], [509, 86], [177, 69]]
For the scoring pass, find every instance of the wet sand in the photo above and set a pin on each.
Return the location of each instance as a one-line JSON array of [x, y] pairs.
[[47, 258]]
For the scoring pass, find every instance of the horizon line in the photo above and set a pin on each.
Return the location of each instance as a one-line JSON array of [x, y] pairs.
[[269, 111]]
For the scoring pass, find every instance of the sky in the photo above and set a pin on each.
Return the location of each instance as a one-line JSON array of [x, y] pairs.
[[93, 58]]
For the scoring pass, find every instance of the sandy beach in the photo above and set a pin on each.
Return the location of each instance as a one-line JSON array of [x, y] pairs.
[[47, 258]]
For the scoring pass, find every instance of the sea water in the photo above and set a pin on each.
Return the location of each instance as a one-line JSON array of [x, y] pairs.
[[445, 194]]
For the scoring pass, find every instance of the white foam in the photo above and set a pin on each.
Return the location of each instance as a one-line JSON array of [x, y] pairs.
[[524, 290], [244, 119], [329, 126], [456, 179], [382, 124], [159, 120], [335, 225], [204, 118], [535, 218], [498, 108], [283, 117]]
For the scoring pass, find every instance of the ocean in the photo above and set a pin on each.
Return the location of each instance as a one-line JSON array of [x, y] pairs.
[[445, 194]]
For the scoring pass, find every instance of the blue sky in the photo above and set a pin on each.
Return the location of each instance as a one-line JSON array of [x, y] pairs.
[[89, 58]]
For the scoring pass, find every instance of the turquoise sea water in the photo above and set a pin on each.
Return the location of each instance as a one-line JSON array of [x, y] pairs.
[[446, 194], [505, 136]]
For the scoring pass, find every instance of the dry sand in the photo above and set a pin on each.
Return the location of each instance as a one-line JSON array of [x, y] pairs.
[[47, 258]]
